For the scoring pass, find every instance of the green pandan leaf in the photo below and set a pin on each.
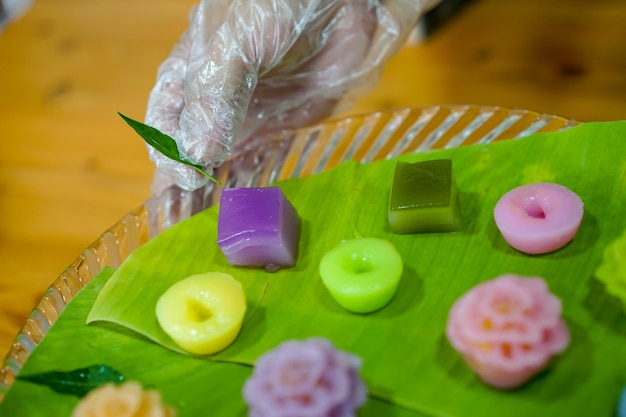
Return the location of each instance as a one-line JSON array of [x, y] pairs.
[[77, 382], [164, 144], [407, 359]]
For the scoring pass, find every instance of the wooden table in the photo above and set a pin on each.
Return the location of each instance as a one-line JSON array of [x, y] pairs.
[[69, 167]]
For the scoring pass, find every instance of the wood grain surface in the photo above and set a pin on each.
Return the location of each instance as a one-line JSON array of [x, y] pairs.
[[70, 168]]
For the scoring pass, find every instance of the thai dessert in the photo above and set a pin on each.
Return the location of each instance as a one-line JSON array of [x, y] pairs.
[[508, 329], [556, 339]]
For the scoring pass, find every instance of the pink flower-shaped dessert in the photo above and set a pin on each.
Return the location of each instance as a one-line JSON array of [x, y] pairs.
[[307, 378], [508, 329]]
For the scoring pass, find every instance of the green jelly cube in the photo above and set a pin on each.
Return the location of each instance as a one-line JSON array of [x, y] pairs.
[[424, 198]]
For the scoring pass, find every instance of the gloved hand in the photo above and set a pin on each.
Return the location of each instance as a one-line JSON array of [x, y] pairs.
[[245, 68]]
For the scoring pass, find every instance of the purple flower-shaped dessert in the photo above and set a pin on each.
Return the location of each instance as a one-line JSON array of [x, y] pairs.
[[309, 378]]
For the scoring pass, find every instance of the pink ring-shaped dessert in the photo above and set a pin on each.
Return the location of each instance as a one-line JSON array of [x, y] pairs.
[[539, 218]]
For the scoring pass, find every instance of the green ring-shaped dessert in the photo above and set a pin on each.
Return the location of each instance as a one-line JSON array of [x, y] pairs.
[[612, 270], [362, 275]]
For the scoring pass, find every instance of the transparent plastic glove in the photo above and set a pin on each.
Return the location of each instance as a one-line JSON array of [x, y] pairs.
[[245, 68]]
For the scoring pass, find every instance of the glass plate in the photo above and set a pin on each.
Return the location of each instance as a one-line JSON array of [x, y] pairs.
[[292, 154]]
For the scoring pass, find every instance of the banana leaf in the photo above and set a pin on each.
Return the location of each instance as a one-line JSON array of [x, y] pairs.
[[71, 345], [407, 360]]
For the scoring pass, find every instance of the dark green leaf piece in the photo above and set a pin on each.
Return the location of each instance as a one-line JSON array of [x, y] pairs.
[[164, 144], [77, 382]]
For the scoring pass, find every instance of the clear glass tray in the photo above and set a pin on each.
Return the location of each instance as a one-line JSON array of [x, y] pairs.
[[292, 154]]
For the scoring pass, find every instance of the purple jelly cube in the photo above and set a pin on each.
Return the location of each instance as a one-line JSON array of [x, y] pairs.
[[258, 227]]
